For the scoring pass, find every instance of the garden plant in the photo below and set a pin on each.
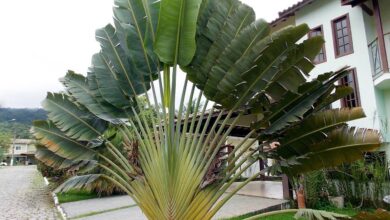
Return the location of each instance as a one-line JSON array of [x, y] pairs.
[[172, 163]]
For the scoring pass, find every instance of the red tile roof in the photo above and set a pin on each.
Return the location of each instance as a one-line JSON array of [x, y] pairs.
[[290, 11]]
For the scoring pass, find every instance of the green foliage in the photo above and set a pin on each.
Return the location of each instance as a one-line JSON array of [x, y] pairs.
[[362, 183], [175, 38], [19, 129], [311, 214], [22, 115], [73, 196], [22, 123], [5, 141], [304, 214], [316, 189]]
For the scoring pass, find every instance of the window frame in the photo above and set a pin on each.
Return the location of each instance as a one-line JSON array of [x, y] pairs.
[[335, 42], [18, 147], [356, 90], [323, 46]]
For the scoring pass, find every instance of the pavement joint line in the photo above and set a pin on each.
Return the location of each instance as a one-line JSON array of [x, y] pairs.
[[101, 212]]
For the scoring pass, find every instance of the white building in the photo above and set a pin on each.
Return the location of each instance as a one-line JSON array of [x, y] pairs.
[[357, 34], [22, 151]]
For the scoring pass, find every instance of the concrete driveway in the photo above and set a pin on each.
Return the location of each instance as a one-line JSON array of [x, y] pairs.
[[24, 196]]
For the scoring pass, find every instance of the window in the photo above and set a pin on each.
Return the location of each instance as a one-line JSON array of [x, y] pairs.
[[353, 99], [342, 37], [17, 147], [321, 57]]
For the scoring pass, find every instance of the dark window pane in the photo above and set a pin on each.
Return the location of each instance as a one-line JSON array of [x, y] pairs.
[[346, 39], [352, 99], [338, 25], [321, 55], [341, 50], [339, 33], [340, 42], [345, 32], [342, 36], [344, 22]]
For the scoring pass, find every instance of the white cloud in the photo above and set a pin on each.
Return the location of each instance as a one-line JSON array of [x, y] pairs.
[[41, 39]]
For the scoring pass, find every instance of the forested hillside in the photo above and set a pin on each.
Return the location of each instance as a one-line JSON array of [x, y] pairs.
[[22, 123]]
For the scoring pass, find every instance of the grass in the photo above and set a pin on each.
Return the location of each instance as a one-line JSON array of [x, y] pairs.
[[73, 196], [290, 216]]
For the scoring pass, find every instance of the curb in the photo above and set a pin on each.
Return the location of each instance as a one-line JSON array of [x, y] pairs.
[[56, 203]]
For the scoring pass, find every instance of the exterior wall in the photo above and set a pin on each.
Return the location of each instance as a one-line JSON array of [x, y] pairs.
[[252, 169], [31, 148], [23, 148], [322, 13], [385, 7]]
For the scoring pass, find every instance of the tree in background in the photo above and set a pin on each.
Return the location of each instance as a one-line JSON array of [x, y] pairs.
[[177, 169], [5, 142]]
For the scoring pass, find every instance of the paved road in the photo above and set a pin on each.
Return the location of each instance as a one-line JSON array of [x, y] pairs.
[[24, 196]]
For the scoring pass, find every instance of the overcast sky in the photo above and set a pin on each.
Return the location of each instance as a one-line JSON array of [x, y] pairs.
[[41, 39]]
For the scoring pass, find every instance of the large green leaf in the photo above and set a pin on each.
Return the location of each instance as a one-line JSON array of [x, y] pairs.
[[342, 145], [175, 38], [131, 81], [78, 182], [292, 107], [313, 129], [107, 83], [79, 87], [136, 22], [219, 23], [237, 58], [75, 121], [51, 159], [56, 141]]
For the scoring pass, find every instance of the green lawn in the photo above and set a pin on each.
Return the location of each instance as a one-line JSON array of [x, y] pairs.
[[73, 196], [290, 216]]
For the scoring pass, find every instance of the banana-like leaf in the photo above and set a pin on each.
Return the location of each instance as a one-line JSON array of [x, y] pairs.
[[313, 129], [292, 107], [78, 182], [51, 159], [135, 22], [83, 166], [107, 83], [219, 23], [240, 59], [175, 38], [340, 92], [74, 121], [56, 141], [78, 86], [342, 145], [131, 81], [312, 214]]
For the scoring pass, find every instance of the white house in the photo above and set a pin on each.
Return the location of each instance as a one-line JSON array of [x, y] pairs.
[[357, 34], [22, 151]]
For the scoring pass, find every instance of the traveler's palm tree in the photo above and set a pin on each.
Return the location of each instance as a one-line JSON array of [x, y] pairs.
[[177, 166]]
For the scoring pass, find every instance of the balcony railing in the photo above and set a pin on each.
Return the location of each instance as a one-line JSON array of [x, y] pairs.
[[375, 56], [376, 62]]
